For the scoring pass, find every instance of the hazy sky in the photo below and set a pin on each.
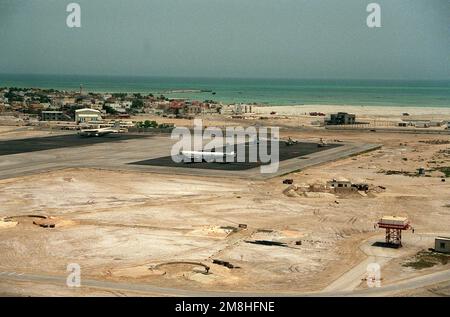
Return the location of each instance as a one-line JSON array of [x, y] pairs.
[[228, 38]]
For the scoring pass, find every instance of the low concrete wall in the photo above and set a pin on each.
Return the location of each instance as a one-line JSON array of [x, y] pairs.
[[389, 130], [155, 130]]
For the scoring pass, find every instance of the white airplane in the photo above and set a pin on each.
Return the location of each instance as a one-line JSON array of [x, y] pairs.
[[101, 131], [200, 156]]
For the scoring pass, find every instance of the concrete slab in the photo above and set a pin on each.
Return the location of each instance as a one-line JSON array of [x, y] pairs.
[[120, 152]]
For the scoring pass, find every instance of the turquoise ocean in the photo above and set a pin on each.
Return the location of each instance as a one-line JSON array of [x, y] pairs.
[[261, 91]]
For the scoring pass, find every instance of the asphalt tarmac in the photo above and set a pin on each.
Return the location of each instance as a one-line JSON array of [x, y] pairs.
[[9, 147], [300, 149]]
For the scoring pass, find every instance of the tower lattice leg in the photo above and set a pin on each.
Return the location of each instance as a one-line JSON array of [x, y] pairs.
[[394, 236]]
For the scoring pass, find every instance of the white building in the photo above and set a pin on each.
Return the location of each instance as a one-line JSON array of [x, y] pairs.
[[437, 123], [442, 244], [121, 108], [126, 104], [340, 183], [236, 109], [87, 115], [422, 124], [106, 97]]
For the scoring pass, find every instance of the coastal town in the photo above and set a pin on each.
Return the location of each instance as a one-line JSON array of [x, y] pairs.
[[231, 155], [73, 110], [69, 109], [350, 180]]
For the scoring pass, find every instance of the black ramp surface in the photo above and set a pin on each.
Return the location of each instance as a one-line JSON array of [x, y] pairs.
[[286, 152], [8, 147]]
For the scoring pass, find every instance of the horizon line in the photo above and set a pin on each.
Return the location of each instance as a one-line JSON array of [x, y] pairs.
[[222, 77]]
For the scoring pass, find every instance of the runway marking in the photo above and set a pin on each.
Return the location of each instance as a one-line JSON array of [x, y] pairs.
[[11, 273]]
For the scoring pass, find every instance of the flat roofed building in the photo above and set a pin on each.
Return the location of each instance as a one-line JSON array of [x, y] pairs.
[[422, 124], [341, 118], [442, 244], [54, 116], [340, 183], [236, 109], [437, 123], [87, 115]]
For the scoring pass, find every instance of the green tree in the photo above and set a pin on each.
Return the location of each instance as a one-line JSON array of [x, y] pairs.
[[137, 104], [119, 95], [147, 124], [109, 110]]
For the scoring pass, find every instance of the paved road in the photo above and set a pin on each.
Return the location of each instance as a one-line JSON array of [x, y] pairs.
[[151, 290], [118, 154], [352, 279], [388, 130]]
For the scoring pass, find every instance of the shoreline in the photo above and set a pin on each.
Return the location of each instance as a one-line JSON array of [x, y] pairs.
[[374, 111], [367, 94], [279, 108]]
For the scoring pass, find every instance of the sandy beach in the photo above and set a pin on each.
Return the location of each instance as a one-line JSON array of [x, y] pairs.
[[372, 111]]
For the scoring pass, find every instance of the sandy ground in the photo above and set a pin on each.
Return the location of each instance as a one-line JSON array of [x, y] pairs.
[[118, 225], [438, 290], [372, 111], [18, 132], [291, 117]]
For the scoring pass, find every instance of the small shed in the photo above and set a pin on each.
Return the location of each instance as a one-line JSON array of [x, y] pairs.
[[340, 183], [422, 124], [421, 171], [442, 244], [437, 123]]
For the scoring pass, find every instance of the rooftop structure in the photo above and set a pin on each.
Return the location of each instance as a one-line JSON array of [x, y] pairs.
[[54, 116], [341, 118]]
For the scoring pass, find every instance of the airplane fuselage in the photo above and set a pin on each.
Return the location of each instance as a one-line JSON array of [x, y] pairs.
[[200, 156]]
